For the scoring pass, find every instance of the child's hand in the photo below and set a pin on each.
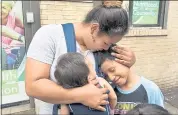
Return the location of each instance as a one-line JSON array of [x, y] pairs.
[[94, 97], [93, 80], [111, 111], [112, 95]]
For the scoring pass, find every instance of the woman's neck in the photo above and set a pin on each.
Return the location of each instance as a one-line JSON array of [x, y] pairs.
[[132, 81], [4, 21], [79, 35]]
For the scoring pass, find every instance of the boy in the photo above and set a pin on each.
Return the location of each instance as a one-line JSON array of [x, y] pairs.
[[130, 88], [148, 109], [74, 70]]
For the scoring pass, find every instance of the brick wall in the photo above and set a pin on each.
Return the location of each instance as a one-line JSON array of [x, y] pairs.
[[61, 12], [157, 57]]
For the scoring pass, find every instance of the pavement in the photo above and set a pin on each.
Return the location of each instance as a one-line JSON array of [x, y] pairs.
[[172, 109], [26, 110]]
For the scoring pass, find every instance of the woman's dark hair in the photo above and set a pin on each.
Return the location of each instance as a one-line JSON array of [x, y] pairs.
[[148, 109], [71, 70], [112, 20]]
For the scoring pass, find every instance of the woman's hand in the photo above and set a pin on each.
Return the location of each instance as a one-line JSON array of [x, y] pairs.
[[94, 97], [124, 55]]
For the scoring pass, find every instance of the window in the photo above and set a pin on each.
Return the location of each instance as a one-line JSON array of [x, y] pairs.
[[147, 13], [146, 18], [144, 13]]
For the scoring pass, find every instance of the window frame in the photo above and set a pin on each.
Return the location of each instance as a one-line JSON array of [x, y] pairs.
[[161, 16]]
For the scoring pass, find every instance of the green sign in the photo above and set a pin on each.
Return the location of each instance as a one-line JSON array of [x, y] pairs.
[[9, 75], [145, 12], [10, 89]]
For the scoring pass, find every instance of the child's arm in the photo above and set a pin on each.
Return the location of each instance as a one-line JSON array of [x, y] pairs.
[[112, 94], [64, 110]]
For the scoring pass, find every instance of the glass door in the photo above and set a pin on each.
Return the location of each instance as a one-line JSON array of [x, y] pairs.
[[13, 52]]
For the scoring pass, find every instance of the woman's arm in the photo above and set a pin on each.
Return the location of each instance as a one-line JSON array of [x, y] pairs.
[[8, 32], [19, 22], [39, 85]]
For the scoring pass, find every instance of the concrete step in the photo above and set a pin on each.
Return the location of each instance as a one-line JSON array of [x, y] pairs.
[[172, 109], [19, 110], [27, 112]]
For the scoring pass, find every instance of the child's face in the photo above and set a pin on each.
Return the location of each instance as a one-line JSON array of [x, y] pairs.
[[115, 71]]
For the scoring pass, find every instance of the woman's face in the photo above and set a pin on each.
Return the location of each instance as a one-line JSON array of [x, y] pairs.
[[98, 42], [6, 8], [116, 72]]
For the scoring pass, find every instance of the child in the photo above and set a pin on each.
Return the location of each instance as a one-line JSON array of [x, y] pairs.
[[130, 88], [148, 109], [74, 70]]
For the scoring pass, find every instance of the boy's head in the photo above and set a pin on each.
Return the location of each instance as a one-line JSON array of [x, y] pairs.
[[114, 71], [73, 69], [148, 109]]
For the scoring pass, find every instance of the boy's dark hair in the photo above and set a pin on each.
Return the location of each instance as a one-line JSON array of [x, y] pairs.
[[101, 56], [148, 109], [112, 20], [71, 70]]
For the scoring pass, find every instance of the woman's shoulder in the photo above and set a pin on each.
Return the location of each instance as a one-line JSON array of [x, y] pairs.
[[52, 28], [51, 32]]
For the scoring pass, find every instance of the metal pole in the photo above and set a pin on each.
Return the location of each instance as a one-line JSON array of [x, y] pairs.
[[32, 102]]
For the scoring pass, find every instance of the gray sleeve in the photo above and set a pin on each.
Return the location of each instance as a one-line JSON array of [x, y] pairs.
[[42, 47]]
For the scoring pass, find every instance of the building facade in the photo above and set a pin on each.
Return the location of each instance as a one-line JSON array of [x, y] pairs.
[[155, 47], [153, 36]]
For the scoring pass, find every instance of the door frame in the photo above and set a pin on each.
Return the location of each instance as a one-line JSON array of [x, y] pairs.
[[31, 28]]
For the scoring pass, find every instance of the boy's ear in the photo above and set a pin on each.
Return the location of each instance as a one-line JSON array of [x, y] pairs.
[[89, 79]]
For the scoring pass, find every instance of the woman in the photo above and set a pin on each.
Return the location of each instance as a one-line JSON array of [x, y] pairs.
[[12, 33], [12, 22], [103, 26]]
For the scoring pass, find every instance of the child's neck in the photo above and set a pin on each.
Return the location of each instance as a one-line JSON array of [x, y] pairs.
[[132, 81]]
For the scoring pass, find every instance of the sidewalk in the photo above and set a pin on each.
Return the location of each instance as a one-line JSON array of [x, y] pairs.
[[19, 110], [170, 108], [26, 110]]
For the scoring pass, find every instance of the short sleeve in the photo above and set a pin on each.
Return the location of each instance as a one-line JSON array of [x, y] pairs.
[[42, 47], [159, 98], [154, 93]]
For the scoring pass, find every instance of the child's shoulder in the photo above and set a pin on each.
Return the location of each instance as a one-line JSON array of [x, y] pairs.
[[154, 93], [102, 81], [148, 84]]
